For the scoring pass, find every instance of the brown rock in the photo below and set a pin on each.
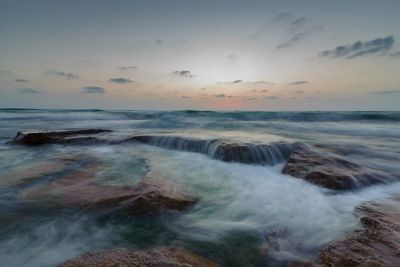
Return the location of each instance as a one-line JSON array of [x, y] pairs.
[[79, 189], [155, 257], [376, 245], [331, 172], [248, 153], [31, 171], [66, 137]]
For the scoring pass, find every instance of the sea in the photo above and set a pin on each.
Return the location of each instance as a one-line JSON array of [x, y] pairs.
[[240, 203]]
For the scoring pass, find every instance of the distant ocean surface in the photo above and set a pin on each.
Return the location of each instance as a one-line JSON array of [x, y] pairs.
[[238, 203]]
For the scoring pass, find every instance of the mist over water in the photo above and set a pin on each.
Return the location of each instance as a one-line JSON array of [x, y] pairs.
[[239, 204]]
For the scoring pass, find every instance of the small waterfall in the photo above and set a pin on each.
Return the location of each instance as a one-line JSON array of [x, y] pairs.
[[263, 154]]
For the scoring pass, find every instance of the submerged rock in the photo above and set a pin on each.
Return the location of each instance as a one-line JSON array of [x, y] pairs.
[[60, 137], [377, 244], [80, 189], [249, 153], [32, 171], [331, 172], [155, 257]]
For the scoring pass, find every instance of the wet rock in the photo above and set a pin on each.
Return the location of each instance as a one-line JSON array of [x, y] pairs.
[[376, 244], [253, 153], [31, 171], [331, 172], [79, 189], [248, 153], [155, 257], [339, 150], [60, 137]]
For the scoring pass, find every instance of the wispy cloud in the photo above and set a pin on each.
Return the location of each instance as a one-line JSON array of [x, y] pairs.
[[28, 91], [67, 75], [127, 68], [184, 73], [274, 97], [6, 72], [232, 57], [299, 21], [262, 82], [93, 90], [360, 48], [20, 80], [158, 42], [299, 82], [299, 92], [231, 82], [298, 37], [283, 17], [220, 95], [186, 97], [121, 80], [395, 92], [395, 54]]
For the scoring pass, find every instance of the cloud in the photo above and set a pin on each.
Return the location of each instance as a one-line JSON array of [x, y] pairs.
[[186, 97], [20, 80], [120, 80], [395, 54], [250, 83], [263, 91], [184, 73], [232, 57], [28, 91], [299, 21], [93, 90], [395, 92], [6, 72], [231, 82], [284, 16], [274, 97], [299, 92], [250, 98], [126, 68], [359, 48], [298, 37], [299, 82], [158, 42], [263, 82], [67, 75], [220, 95]]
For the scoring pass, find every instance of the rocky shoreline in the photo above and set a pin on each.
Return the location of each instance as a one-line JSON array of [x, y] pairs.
[[377, 243]]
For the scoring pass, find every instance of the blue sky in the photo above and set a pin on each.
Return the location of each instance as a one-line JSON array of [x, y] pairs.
[[253, 55]]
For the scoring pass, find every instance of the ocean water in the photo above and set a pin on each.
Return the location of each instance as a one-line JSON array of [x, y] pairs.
[[239, 204]]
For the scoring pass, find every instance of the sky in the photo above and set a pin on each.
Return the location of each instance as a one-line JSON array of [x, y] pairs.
[[201, 55]]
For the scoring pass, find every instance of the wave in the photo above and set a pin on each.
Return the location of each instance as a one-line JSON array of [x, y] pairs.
[[262, 154], [311, 116], [290, 115]]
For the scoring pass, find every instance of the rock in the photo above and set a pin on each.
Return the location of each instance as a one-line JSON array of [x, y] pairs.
[[376, 244], [80, 190], [339, 150], [155, 257], [31, 171], [60, 137], [248, 153], [331, 172], [252, 153]]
